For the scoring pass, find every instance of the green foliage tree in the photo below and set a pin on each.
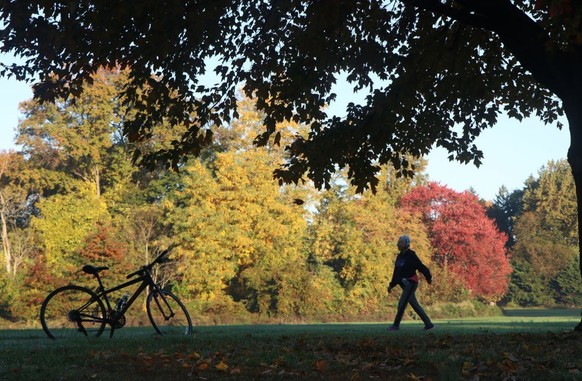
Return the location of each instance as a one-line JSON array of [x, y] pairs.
[[539, 259], [64, 224], [506, 208], [546, 235], [567, 285], [526, 289], [540, 247], [13, 209], [74, 138], [553, 198]]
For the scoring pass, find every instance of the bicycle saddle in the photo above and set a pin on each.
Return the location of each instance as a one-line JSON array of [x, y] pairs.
[[93, 270]]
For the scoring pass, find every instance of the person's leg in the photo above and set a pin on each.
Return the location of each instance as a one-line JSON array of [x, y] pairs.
[[407, 290], [420, 311]]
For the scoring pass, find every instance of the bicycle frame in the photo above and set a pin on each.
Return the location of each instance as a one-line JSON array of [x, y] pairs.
[[144, 277], [146, 281]]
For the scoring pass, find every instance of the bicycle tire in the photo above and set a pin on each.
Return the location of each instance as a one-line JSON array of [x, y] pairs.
[[72, 311], [168, 314]]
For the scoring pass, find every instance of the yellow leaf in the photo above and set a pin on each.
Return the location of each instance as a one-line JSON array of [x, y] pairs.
[[221, 366], [193, 356]]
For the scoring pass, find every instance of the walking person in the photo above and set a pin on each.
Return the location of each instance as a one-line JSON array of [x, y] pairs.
[[405, 276]]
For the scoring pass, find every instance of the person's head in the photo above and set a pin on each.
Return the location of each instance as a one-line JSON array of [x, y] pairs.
[[403, 242]]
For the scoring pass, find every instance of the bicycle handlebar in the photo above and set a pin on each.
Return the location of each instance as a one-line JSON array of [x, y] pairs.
[[160, 259]]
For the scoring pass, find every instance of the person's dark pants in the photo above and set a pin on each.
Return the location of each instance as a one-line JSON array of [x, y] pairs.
[[408, 296]]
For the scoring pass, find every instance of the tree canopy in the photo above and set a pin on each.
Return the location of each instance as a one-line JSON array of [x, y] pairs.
[[436, 72]]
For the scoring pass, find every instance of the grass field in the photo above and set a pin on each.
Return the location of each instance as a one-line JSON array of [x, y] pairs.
[[522, 345]]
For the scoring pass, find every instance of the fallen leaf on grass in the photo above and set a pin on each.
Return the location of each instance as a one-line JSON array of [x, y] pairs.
[[203, 366], [222, 366], [320, 365], [194, 356]]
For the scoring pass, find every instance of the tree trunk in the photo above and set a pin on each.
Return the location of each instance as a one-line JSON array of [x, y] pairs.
[[575, 159], [5, 239], [97, 179]]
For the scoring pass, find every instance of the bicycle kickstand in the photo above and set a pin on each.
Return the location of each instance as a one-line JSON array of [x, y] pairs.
[[81, 328]]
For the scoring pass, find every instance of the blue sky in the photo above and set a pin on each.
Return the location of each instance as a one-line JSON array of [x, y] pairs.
[[11, 94], [513, 151]]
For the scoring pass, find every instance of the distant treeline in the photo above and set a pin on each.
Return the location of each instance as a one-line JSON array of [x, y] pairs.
[[251, 249]]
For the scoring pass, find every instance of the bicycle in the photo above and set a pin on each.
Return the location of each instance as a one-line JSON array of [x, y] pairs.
[[70, 310]]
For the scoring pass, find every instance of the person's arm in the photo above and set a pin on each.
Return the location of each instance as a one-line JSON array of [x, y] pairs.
[[423, 270], [394, 281]]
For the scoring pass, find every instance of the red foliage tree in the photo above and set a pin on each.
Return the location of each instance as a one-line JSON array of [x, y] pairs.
[[465, 241], [38, 282], [103, 249]]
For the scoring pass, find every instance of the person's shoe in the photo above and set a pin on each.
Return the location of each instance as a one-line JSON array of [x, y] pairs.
[[428, 327], [393, 328]]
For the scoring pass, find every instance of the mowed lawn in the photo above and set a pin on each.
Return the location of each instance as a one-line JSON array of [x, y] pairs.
[[522, 345]]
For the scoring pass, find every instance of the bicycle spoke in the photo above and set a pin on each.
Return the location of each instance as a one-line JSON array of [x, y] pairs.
[[71, 310]]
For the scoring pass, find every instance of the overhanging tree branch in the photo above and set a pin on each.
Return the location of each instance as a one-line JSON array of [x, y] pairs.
[[464, 14], [525, 38]]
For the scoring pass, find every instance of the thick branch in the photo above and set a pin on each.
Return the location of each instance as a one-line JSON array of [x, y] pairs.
[[465, 14], [520, 34]]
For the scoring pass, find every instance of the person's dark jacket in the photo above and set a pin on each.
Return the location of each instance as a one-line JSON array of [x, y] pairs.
[[407, 262]]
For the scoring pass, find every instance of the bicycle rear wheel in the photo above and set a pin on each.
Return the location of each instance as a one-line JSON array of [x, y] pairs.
[[72, 311], [167, 314]]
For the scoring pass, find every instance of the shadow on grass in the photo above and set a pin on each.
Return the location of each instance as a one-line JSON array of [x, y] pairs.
[[541, 312], [501, 327]]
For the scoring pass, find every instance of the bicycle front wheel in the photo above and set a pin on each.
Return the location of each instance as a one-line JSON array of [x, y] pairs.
[[167, 314], [72, 311]]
